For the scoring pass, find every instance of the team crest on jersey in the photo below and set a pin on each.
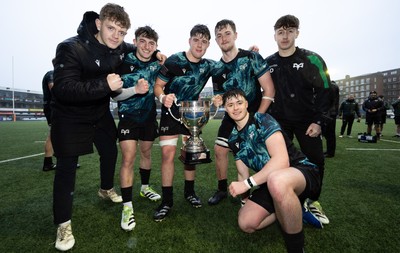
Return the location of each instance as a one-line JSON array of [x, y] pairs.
[[251, 135], [237, 145], [164, 129], [153, 68], [224, 76], [124, 131], [132, 68], [243, 66], [201, 70], [97, 61], [184, 71], [298, 65], [121, 56]]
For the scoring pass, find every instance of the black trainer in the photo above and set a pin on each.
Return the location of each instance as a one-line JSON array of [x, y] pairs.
[[49, 167], [193, 200], [161, 212], [217, 197]]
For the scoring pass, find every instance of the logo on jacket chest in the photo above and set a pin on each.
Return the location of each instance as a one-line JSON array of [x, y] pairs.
[[298, 65]]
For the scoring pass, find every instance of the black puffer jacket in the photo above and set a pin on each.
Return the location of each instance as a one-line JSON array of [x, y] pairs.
[[81, 67]]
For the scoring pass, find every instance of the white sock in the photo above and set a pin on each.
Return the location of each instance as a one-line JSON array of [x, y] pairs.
[[128, 204], [144, 186]]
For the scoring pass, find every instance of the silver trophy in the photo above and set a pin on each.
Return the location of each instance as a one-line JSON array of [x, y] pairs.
[[194, 115]]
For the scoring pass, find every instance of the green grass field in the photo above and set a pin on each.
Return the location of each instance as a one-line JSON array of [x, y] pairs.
[[360, 197]]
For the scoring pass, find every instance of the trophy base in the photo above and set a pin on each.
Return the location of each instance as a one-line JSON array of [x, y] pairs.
[[195, 158]]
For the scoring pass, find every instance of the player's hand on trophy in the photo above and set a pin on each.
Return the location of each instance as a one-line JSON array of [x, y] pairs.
[[217, 100], [142, 86], [114, 81], [168, 100]]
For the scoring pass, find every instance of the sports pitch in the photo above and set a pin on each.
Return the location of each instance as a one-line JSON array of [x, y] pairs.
[[361, 197]]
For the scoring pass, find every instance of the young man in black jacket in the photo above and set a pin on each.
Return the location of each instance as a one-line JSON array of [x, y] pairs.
[[302, 93], [84, 81]]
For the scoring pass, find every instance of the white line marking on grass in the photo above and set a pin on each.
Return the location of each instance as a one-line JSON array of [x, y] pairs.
[[389, 141], [375, 149], [20, 158]]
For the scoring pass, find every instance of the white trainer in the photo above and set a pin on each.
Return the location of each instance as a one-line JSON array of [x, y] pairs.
[[128, 222], [110, 194], [65, 240], [149, 193]]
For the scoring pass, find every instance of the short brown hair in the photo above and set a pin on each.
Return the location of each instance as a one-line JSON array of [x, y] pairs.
[[115, 13], [286, 22]]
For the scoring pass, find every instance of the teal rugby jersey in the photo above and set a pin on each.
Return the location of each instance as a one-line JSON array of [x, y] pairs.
[[139, 107]]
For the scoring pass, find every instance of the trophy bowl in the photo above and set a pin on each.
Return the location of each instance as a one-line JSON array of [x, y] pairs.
[[194, 115]]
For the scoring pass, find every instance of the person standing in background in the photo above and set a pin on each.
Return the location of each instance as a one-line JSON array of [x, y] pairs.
[[396, 110], [373, 107], [384, 112], [329, 127], [347, 111], [47, 84]]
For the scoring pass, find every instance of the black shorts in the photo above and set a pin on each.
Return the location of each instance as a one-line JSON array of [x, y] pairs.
[[375, 119], [170, 126], [130, 130], [397, 120], [312, 190], [225, 131], [47, 113]]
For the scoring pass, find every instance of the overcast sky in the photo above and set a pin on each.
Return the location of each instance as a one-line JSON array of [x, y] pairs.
[[354, 37]]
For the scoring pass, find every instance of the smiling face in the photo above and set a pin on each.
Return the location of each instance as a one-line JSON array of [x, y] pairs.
[[111, 33], [145, 47], [236, 107]]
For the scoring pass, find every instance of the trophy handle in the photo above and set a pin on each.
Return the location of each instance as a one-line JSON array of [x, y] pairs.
[[216, 111], [169, 110]]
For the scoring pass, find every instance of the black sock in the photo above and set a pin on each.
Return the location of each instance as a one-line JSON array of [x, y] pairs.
[[294, 242], [189, 187], [167, 195], [223, 185], [48, 160], [126, 194], [145, 176]]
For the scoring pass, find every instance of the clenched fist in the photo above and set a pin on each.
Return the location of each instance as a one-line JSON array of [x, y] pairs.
[[142, 86], [114, 81]]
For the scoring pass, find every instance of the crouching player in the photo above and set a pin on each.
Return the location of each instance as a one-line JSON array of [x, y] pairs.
[[284, 175]]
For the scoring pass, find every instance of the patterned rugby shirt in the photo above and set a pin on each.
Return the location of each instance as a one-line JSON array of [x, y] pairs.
[[184, 78], [248, 144], [243, 73], [140, 107]]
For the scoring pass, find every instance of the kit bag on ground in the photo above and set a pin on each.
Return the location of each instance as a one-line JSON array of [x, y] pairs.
[[364, 137]]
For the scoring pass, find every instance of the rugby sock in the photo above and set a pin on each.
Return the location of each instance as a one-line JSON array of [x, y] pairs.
[[167, 195], [189, 187], [145, 176], [126, 193], [48, 160], [223, 185], [294, 242]]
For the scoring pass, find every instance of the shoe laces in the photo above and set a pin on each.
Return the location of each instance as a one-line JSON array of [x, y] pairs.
[[148, 189], [64, 232]]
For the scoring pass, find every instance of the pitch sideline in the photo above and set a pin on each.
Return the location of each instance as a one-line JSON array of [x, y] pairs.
[[20, 158]]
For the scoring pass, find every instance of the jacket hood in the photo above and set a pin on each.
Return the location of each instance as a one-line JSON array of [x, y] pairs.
[[87, 28]]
